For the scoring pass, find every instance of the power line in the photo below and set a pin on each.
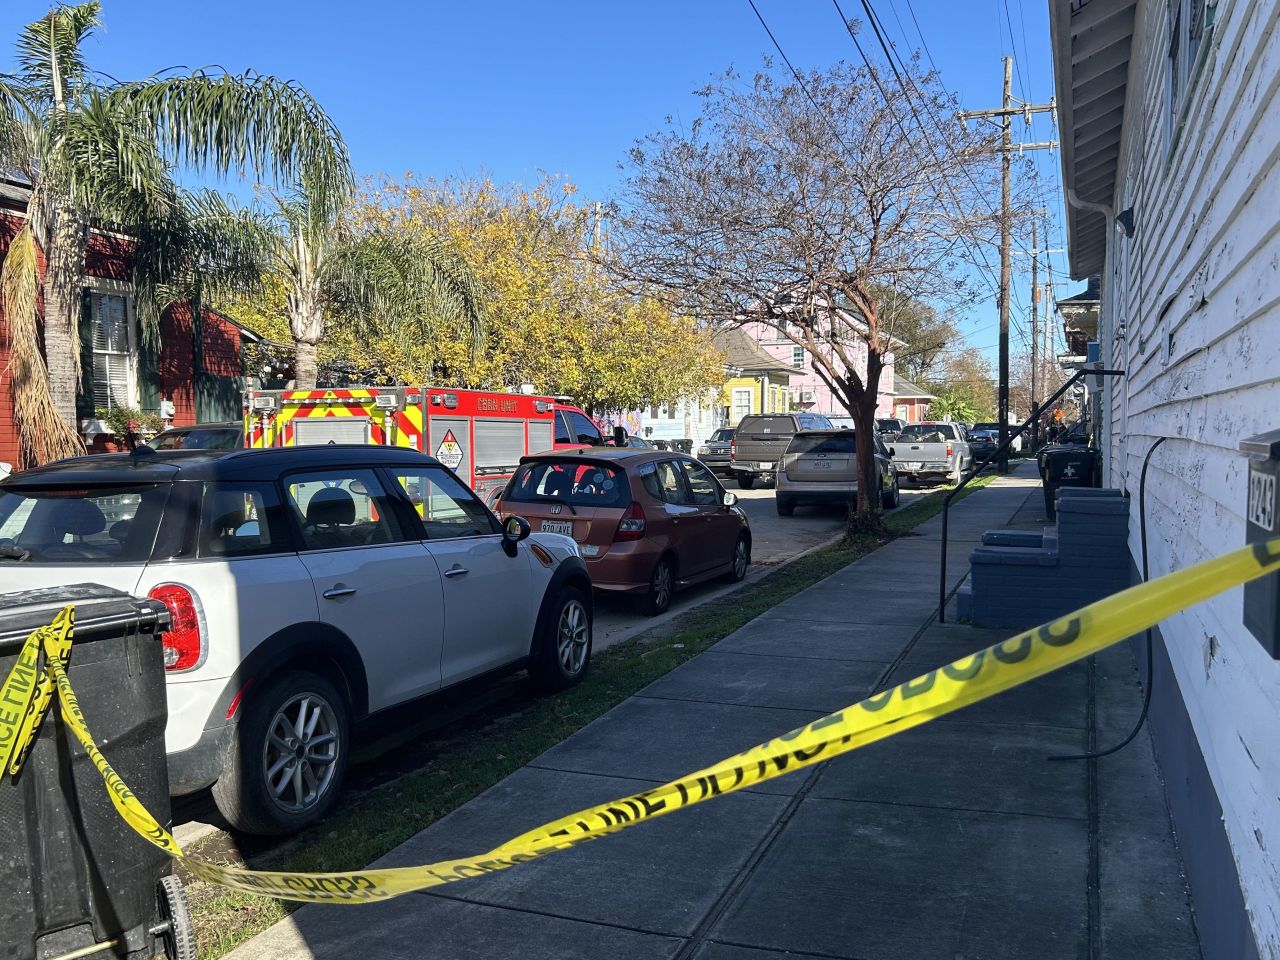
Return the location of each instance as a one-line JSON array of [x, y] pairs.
[[796, 73]]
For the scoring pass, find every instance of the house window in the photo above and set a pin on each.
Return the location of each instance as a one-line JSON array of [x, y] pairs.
[[797, 357], [741, 404], [113, 380], [1190, 25]]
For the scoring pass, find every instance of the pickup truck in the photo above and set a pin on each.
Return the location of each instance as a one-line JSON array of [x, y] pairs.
[[931, 450], [760, 441]]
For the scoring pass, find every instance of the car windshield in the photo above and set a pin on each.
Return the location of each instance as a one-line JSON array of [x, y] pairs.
[[767, 425], [93, 525], [565, 481], [722, 436], [887, 424], [212, 439], [928, 433], [841, 443]]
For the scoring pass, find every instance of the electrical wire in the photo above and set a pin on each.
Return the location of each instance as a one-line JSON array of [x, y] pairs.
[[1146, 575]]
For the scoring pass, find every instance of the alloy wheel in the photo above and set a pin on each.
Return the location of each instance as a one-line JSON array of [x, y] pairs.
[[740, 559], [300, 753], [661, 585], [572, 636]]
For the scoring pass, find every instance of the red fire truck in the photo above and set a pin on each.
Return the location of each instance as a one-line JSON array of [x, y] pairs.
[[480, 435]]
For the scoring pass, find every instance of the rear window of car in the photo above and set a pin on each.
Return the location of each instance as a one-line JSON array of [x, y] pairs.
[[929, 433], [89, 525], [838, 443], [220, 438], [574, 483], [767, 425]]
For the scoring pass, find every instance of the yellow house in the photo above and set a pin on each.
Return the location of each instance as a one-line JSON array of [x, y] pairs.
[[756, 382]]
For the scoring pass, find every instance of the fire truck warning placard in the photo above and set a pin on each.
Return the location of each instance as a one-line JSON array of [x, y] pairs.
[[450, 451]]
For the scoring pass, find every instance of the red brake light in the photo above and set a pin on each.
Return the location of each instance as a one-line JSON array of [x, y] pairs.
[[631, 526], [733, 449], [184, 640], [948, 449]]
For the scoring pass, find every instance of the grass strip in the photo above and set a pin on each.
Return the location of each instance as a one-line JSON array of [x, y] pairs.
[[375, 823]]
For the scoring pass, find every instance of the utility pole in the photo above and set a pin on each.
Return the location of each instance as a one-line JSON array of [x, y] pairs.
[[1036, 385], [1007, 111]]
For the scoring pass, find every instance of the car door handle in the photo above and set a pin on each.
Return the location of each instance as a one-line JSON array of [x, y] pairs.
[[456, 571], [337, 592]]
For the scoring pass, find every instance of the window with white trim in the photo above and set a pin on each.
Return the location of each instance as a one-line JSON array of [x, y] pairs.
[[742, 397], [113, 376], [1190, 26], [797, 357]]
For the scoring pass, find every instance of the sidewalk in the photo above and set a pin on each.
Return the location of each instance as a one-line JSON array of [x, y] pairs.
[[957, 840]]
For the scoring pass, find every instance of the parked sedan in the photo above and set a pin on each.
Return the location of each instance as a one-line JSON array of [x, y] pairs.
[[647, 522], [821, 467], [310, 587], [717, 451], [982, 444]]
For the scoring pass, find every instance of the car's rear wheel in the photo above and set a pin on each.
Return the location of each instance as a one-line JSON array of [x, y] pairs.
[[289, 756], [786, 506], [893, 496], [741, 559], [662, 588], [746, 481], [563, 652]]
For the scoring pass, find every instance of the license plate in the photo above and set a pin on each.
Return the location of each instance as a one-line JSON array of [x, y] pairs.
[[558, 526], [765, 466], [822, 464], [912, 465]]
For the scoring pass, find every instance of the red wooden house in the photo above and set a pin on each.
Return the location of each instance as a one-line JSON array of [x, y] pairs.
[[197, 364]]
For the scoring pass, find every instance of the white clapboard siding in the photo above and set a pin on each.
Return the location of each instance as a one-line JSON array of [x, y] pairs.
[[1198, 290]]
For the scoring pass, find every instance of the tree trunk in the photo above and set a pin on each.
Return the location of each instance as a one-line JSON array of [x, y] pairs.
[[64, 248], [304, 365]]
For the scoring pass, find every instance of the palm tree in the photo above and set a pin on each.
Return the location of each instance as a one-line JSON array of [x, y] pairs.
[[101, 152], [405, 283]]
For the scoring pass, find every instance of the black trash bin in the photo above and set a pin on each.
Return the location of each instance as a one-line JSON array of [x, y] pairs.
[[75, 874], [1068, 466]]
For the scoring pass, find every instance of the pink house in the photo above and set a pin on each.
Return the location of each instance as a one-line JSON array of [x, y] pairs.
[[808, 392]]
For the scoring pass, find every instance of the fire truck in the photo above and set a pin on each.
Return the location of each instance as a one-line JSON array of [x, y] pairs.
[[480, 435]]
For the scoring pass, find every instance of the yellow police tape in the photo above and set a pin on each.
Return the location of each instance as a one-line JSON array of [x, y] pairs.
[[968, 680]]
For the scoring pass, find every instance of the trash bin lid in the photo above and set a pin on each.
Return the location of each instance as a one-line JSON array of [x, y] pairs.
[[100, 611]]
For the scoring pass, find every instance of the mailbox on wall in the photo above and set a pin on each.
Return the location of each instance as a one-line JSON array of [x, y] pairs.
[[1262, 596]]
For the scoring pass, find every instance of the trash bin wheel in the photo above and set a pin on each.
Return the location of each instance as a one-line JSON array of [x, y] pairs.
[[179, 936]]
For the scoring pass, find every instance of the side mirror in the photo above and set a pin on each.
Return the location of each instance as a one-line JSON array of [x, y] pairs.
[[619, 436], [729, 499], [515, 529]]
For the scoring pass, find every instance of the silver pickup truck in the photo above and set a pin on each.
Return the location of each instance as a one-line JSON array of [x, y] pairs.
[[931, 450]]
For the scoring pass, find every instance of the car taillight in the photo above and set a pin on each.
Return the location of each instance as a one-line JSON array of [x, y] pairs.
[[733, 449], [948, 450], [183, 642], [631, 526]]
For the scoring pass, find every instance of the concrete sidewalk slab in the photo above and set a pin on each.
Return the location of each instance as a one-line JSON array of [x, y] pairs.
[[870, 881], [1059, 699], [1001, 768], [821, 640], [415, 926], [788, 682], [659, 740], [704, 849]]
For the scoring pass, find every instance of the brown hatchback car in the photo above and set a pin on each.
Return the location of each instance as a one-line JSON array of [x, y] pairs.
[[646, 521]]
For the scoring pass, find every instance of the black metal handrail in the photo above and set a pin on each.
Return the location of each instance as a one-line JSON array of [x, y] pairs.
[[1002, 449]]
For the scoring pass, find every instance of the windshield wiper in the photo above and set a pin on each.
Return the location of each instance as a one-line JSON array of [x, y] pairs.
[[13, 552], [562, 501]]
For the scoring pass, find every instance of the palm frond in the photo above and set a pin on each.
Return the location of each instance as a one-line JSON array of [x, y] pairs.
[[408, 285], [56, 37], [244, 123], [17, 120], [104, 160], [206, 246], [43, 434]]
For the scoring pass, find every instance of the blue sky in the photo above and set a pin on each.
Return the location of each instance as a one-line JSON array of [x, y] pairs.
[[444, 88]]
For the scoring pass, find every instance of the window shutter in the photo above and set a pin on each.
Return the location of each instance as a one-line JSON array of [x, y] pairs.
[[149, 374], [85, 404]]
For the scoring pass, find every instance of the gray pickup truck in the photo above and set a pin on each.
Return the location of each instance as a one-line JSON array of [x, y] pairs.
[[762, 438], [931, 450]]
